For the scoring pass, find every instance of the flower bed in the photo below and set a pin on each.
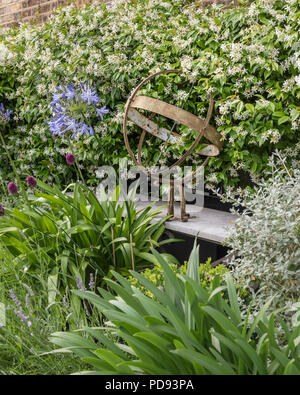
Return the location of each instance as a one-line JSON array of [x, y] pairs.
[[86, 270]]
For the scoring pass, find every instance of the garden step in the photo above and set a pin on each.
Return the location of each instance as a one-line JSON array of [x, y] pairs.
[[205, 223]]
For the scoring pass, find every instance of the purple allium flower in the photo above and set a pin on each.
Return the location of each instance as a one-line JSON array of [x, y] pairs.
[[4, 114], [12, 188], [31, 181], [70, 159], [2, 211]]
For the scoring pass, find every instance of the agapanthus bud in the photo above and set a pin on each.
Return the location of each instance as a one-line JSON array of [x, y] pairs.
[[70, 159], [31, 181], [12, 188]]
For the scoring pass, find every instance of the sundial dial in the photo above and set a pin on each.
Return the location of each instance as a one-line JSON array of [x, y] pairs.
[[178, 115]]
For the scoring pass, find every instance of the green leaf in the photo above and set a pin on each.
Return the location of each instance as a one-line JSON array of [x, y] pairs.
[[283, 120], [113, 360], [52, 288], [234, 304], [209, 363], [250, 107]]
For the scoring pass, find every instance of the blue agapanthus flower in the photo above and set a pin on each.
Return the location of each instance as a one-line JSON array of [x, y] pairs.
[[5, 114], [73, 108], [101, 111], [89, 95]]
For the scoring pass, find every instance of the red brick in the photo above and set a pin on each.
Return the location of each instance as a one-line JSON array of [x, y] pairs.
[[12, 11], [32, 3], [7, 18]]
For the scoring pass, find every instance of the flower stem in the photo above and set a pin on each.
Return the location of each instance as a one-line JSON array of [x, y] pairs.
[[14, 168], [77, 165]]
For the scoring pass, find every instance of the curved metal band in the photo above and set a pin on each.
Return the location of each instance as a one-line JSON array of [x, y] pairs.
[[197, 124], [147, 125], [127, 107], [179, 115]]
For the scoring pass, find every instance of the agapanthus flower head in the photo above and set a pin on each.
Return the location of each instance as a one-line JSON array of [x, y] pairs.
[[70, 159], [4, 114], [12, 188], [31, 181], [89, 95], [2, 211], [85, 129], [74, 106], [101, 111]]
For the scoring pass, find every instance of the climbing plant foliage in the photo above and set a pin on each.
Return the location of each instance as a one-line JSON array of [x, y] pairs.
[[247, 56]]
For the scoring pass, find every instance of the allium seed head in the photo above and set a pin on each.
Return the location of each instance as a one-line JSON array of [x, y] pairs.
[[31, 181], [12, 188], [70, 159]]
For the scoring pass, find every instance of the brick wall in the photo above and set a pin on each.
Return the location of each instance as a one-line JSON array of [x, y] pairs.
[[208, 2], [14, 11]]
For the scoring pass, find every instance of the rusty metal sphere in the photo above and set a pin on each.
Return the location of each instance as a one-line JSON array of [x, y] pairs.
[[172, 112]]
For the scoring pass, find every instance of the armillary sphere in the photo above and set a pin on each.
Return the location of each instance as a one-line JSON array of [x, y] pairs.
[[176, 114]]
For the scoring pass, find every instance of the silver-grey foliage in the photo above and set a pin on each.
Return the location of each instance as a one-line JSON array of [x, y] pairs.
[[267, 238]]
